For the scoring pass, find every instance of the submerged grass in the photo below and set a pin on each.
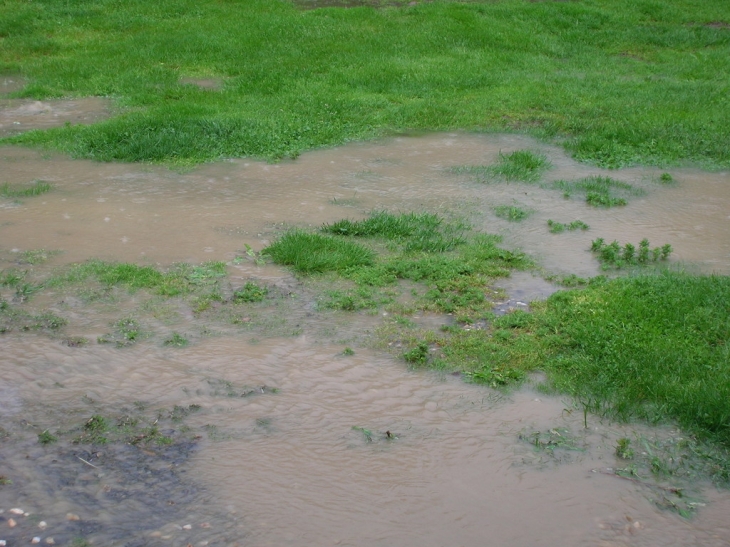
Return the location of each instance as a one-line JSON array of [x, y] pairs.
[[513, 213], [618, 82], [519, 166], [599, 191], [36, 189]]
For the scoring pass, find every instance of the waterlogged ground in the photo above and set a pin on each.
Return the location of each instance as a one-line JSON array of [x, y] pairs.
[[262, 430]]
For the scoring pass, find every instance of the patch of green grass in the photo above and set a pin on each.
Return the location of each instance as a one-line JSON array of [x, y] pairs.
[[519, 166], [613, 255], [666, 178], [648, 346], [558, 227], [513, 213], [425, 232], [36, 189], [599, 191], [611, 80], [36, 256], [310, 253]]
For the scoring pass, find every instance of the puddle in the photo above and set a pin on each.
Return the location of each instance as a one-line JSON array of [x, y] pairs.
[[11, 84], [210, 84], [19, 115], [296, 443]]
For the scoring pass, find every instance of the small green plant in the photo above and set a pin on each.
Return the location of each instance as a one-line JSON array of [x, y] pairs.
[[558, 227], [348, 351], [46, 437], [616, 256], [513, 213], [666, 178], [623, 449], [253, 255], [250, 293], [38, 187], [177, 340]]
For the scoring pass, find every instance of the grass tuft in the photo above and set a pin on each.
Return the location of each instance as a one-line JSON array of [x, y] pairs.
[[513, 213], [314, 253], [599, 191]]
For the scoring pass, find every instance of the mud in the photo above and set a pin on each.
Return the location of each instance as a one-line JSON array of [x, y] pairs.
[[297, 443]]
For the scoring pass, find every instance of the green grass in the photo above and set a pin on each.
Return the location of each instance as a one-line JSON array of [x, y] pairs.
[[425, 232], [181, 279], [513, 213], [36, 189], [616, 82], [314, 253]]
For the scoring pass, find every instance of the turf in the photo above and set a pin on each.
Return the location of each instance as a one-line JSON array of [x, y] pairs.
[[617, 82]]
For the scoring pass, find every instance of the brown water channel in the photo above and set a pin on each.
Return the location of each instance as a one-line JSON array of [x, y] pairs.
[[277, 437]]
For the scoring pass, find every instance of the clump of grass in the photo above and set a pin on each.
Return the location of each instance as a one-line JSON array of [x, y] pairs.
[[417, 355], [558, 227], [250, 292], [348, 351], [666, 178], [36, 189], [46, 437], [519, 166], [315, 253], [359, 298], [36, 256], [176, 340], [513, 213], [617, 256], [424, 232], [599, 191]]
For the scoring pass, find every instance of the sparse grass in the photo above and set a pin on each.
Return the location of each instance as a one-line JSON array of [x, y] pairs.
[[46, 437], [513, 213], [613, 255], [559, 227], [127, 332], [599, 191], [176, 340], [13, 192], [519, 166], [12, 318], [250, 292], [666, 178]]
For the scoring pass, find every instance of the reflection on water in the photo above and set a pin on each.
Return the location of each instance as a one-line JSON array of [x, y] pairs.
[[296, 443]]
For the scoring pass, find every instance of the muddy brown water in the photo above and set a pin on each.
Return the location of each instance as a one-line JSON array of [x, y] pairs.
[[291, 445]]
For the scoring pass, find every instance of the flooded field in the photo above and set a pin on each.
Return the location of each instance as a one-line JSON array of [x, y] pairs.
[[264, 430]]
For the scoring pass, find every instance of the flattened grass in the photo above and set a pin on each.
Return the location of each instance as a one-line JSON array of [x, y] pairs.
[[38, 188]]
